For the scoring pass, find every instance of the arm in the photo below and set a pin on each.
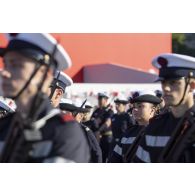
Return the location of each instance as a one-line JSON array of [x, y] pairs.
[[70, 143]]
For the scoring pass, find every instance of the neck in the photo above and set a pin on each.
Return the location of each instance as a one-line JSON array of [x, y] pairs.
[[121, 112], [142, 122], [24, 106], [24, 102], [179, 111]]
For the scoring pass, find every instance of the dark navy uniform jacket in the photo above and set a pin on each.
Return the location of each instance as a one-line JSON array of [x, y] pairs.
[[157, 134], [95, 150], [99, 117], [62, 140], [120, 123], [126, 140]]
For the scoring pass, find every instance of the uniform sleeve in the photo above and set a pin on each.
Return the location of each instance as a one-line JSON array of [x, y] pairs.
[[109, 114], [142, 154], [96, 152], [70, 143], [116, 156]]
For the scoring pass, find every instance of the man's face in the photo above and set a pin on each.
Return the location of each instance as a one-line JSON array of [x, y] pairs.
[[143, 111], [79, 117], [173, 91], [56, 97], [86, 116], [102, 101], [120, 107], [17, 71]]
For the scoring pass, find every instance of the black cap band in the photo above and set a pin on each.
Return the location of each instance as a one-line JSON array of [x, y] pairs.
[[146, 98], [174, 72], [72, 108], [121, 101], [57, 83]]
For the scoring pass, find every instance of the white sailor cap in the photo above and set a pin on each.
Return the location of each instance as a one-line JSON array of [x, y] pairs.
[[121, 99], [7, 104], [37, 46], [174, 66], [146, 96], [66, 101], [103, 95], [61, 80]]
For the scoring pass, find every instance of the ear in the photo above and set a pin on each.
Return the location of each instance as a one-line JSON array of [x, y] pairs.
[[153, 110], [81, 115], [59, 93], [192, 85]]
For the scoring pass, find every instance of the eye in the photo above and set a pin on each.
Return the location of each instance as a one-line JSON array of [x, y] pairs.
[[173, 82]]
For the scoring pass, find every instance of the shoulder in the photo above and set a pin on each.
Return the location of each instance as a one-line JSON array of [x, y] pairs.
[[96, 110], [67, 123], [66, 118], [157, 122], [159, 117], [85, 127], [114, 116], [109, 111], [126, 115], [61, 120], [133, 128]]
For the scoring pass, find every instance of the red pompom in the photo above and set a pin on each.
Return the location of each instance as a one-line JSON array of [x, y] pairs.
[[162, 61], [67, 117]]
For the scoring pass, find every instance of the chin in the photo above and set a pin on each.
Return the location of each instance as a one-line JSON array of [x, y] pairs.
[[168, 101]]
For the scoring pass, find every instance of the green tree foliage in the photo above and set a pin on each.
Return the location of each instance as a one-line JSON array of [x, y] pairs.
[[183, 43]]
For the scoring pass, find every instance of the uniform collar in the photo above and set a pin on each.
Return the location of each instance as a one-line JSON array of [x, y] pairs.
[[45, 108]]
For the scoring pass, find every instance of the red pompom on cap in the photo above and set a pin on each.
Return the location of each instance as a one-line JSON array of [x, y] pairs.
[[162, 61]]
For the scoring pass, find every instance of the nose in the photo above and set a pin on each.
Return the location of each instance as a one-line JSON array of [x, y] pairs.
[[5, 74], [166, 87]]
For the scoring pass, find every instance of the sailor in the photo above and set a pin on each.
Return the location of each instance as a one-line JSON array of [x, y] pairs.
[[87, 115], [177, 77], [121, 121], [58, 87], [78, 109], [144, 108], [36, 132], [101, 119]]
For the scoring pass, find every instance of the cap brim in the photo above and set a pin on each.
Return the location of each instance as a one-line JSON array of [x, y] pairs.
[[147, 98], [88, 107], [159, 79], [101, 96], [66, 107], [72, 108], [168, 78], [121, 101]]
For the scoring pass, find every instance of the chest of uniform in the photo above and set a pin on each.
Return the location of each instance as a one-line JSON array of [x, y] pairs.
[[34, 144]]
